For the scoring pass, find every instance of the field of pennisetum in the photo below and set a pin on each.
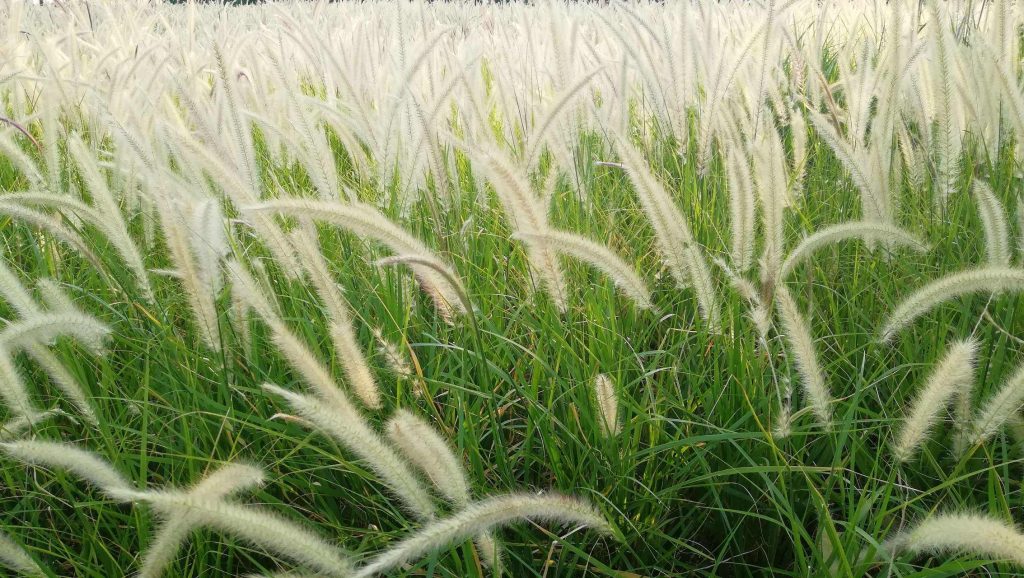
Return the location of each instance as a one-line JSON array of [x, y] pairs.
[[627, 289]]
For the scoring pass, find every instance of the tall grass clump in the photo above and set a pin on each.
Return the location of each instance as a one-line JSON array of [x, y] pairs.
[[429, 288]]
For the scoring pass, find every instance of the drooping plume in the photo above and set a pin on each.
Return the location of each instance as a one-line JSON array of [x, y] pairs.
[[798, 334], [985, 279], [952, 377]]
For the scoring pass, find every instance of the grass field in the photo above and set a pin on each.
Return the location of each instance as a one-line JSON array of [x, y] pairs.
[[181, 133]]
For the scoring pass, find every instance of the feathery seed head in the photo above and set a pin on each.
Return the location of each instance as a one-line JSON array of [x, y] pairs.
[[976, 534], [394, 359], [607, 405], [953, 376]]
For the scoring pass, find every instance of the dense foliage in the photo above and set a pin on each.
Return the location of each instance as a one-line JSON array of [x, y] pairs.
[[345, 289]]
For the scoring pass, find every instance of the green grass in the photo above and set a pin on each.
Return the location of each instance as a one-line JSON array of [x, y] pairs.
[[694, 484]]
